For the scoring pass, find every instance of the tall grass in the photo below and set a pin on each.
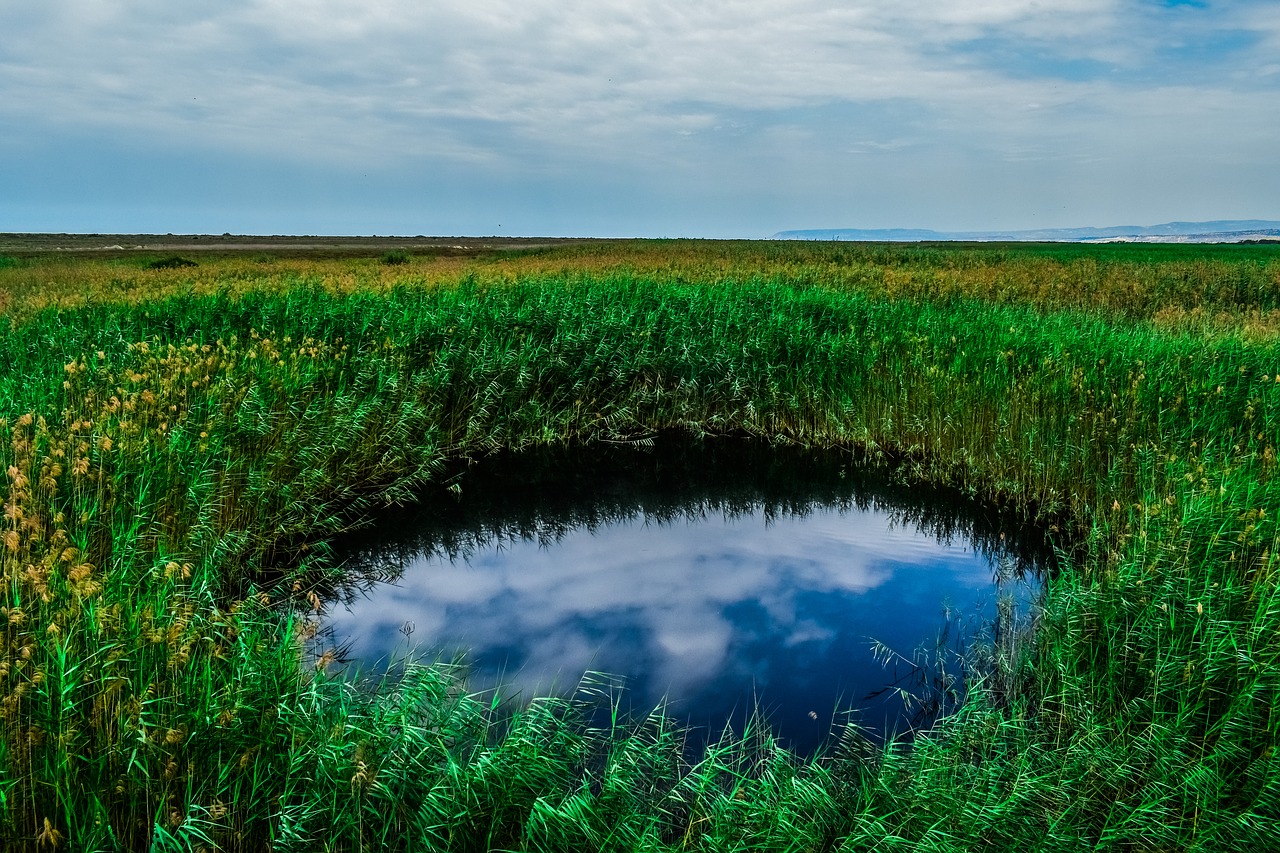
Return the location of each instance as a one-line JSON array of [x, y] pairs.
[[1173, 285], [180, 449]]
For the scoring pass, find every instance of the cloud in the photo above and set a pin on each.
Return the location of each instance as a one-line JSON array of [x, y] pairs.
[[548, 70], [645, 97]]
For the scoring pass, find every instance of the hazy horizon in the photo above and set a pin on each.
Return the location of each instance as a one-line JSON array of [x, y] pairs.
[[1218, 226]]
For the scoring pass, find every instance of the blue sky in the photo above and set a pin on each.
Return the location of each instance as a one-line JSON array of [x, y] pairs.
[[721, 118]]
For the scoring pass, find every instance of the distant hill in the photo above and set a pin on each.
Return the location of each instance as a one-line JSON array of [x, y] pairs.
[[1217, 231]]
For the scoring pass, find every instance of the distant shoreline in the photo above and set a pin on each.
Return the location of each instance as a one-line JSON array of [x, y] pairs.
[[1215, 231], [44, 243]]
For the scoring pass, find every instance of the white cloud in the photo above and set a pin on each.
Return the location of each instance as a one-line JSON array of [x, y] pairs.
[[768, 95], [552, 70]]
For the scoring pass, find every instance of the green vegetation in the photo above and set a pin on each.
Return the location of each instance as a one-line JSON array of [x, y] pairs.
[[179, 446], [395, 258]]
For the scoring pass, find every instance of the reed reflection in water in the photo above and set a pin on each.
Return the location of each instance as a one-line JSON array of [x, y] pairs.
[[753, 577]]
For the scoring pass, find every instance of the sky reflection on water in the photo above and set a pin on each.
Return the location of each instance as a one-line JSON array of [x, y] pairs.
[[714, 609]]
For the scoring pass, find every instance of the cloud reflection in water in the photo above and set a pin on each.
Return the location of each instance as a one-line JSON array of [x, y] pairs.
[[712, 613]]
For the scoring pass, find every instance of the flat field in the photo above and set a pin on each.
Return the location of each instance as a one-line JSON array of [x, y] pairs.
[[183, 433]]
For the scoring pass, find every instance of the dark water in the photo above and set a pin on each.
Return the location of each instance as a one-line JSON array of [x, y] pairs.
[[720, 578]]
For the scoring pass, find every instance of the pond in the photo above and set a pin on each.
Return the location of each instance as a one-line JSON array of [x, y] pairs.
[[718, 577]]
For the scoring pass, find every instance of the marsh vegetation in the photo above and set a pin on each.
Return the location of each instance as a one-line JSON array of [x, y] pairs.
[[182, 445]]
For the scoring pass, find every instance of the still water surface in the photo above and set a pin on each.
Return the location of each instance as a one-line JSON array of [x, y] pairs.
[[719, 580]]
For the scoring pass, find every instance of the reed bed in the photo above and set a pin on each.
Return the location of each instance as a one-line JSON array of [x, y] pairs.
[[182, 445], [1187, 286]]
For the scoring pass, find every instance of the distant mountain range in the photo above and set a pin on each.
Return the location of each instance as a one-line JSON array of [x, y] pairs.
[[1217, 231]]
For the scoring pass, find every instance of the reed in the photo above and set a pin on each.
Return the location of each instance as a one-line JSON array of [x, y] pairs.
[[181, 445]]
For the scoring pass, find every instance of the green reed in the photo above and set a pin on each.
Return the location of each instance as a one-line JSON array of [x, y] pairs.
[[177, 465]]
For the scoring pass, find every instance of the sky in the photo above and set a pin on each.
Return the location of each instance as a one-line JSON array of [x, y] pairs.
[[634, 118]]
